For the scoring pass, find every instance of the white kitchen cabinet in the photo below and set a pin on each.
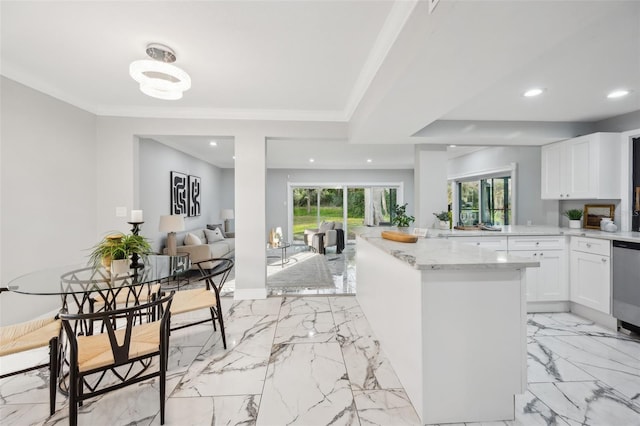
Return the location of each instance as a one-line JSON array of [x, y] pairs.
[[591, 273], [549, 282], [586, 167], [494, 243]]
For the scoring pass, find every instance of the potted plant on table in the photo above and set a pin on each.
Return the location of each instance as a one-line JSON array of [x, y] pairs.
[[574, 216], [115, 250], [400, 217], [443, 217]]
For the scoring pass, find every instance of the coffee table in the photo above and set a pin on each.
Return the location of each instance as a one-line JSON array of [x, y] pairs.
[[284, 259]]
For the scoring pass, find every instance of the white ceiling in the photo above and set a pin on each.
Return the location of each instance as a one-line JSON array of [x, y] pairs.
[[396, 73]]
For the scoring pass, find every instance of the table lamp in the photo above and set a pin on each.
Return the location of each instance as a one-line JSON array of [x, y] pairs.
[[226, 215], [171, 224]]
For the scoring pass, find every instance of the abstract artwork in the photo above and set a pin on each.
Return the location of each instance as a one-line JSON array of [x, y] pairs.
[[179, 192], [194, 196]]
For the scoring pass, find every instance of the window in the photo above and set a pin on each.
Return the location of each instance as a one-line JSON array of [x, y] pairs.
[[485, 198]]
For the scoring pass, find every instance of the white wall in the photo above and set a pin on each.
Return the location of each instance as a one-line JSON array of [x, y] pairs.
[[48, 192], [431, 183], [277, 180], [227, 193], [117, 141], [156, 161], [528, 203]]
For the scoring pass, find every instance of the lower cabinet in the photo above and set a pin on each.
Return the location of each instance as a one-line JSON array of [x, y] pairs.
[[549, 282], [494, 243], [581, 274], [590, 276]]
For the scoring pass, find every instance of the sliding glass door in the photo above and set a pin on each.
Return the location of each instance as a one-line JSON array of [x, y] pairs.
[[351, 205]]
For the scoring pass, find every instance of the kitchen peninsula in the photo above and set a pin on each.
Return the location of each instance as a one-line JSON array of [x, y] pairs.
[[451, 318]]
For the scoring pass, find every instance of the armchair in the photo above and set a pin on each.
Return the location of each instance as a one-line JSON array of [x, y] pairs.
[[329, 234]]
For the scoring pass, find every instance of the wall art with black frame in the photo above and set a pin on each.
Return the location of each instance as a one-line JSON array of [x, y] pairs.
[[194, 195], [179, 193]]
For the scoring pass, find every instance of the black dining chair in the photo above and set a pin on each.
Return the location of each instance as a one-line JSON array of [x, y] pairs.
[[26, 336], [207, 297], [126, 349]]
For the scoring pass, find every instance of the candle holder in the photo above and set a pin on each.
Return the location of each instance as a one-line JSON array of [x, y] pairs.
[[135, 257], [135, 227]]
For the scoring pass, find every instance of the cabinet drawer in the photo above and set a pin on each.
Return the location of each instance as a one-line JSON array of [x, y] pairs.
[[591, 245], [536, 243], [495, 243]]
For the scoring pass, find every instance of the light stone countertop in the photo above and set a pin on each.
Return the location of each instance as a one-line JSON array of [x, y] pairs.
[[445, 254], [523, 230]]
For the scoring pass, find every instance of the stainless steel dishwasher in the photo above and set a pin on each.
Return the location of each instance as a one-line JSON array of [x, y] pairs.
[[626, 284]]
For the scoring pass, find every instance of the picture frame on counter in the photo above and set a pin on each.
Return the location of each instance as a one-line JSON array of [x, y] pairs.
[[593, 214]]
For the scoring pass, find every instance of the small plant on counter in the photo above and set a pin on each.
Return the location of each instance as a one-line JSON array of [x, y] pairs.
[[400, 217], [443, 216], [573, 214]]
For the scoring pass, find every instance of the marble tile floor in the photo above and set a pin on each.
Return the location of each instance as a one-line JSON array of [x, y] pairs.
[[314, 361], [342, 267]]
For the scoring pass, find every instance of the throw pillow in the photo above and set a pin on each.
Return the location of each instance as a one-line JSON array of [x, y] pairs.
[[192, 240], [217, 226], [213, 236], [326, 226]]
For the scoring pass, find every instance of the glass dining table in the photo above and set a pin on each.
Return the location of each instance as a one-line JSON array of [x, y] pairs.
[[79, 286]]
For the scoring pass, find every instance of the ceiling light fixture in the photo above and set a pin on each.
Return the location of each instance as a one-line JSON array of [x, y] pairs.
[[452, 146], [311, 160], [533, 92], [618, 94], [157, 77], [369, 160], [213, 143]]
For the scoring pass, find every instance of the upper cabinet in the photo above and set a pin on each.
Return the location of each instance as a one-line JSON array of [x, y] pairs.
[[586, 167]]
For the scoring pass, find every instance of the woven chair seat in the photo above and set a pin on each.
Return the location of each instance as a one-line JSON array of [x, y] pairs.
[[192, 300], [95, 351], [29, 335]]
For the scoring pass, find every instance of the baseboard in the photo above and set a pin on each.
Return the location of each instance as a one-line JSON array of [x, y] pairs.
[[596, 316], [542, 307], [249, 293]]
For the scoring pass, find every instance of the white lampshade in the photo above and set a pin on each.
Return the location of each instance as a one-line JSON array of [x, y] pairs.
[[226, 214], [171, 223]]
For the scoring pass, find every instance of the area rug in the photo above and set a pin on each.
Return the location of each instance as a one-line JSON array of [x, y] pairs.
[[305, 270]]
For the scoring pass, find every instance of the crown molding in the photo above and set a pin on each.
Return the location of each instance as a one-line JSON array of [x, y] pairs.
[[221, 113], [24, 78]]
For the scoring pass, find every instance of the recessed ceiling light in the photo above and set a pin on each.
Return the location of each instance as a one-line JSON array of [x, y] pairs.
[[533, 92], [369, 160], [234, 157], [452, 146], [311, 160], [213, 143], [617, 94]]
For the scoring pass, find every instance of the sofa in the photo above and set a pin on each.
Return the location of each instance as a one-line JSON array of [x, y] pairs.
[[210, 242]]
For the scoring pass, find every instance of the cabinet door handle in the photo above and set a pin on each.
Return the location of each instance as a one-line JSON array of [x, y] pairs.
[[567, 195], [535, 254], [561, 195], [477, 244], [537, 243], [604, 259], [588, 245], [541, 254]]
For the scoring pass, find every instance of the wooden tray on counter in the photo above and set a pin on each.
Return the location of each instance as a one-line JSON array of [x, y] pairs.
[[401, 237]]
